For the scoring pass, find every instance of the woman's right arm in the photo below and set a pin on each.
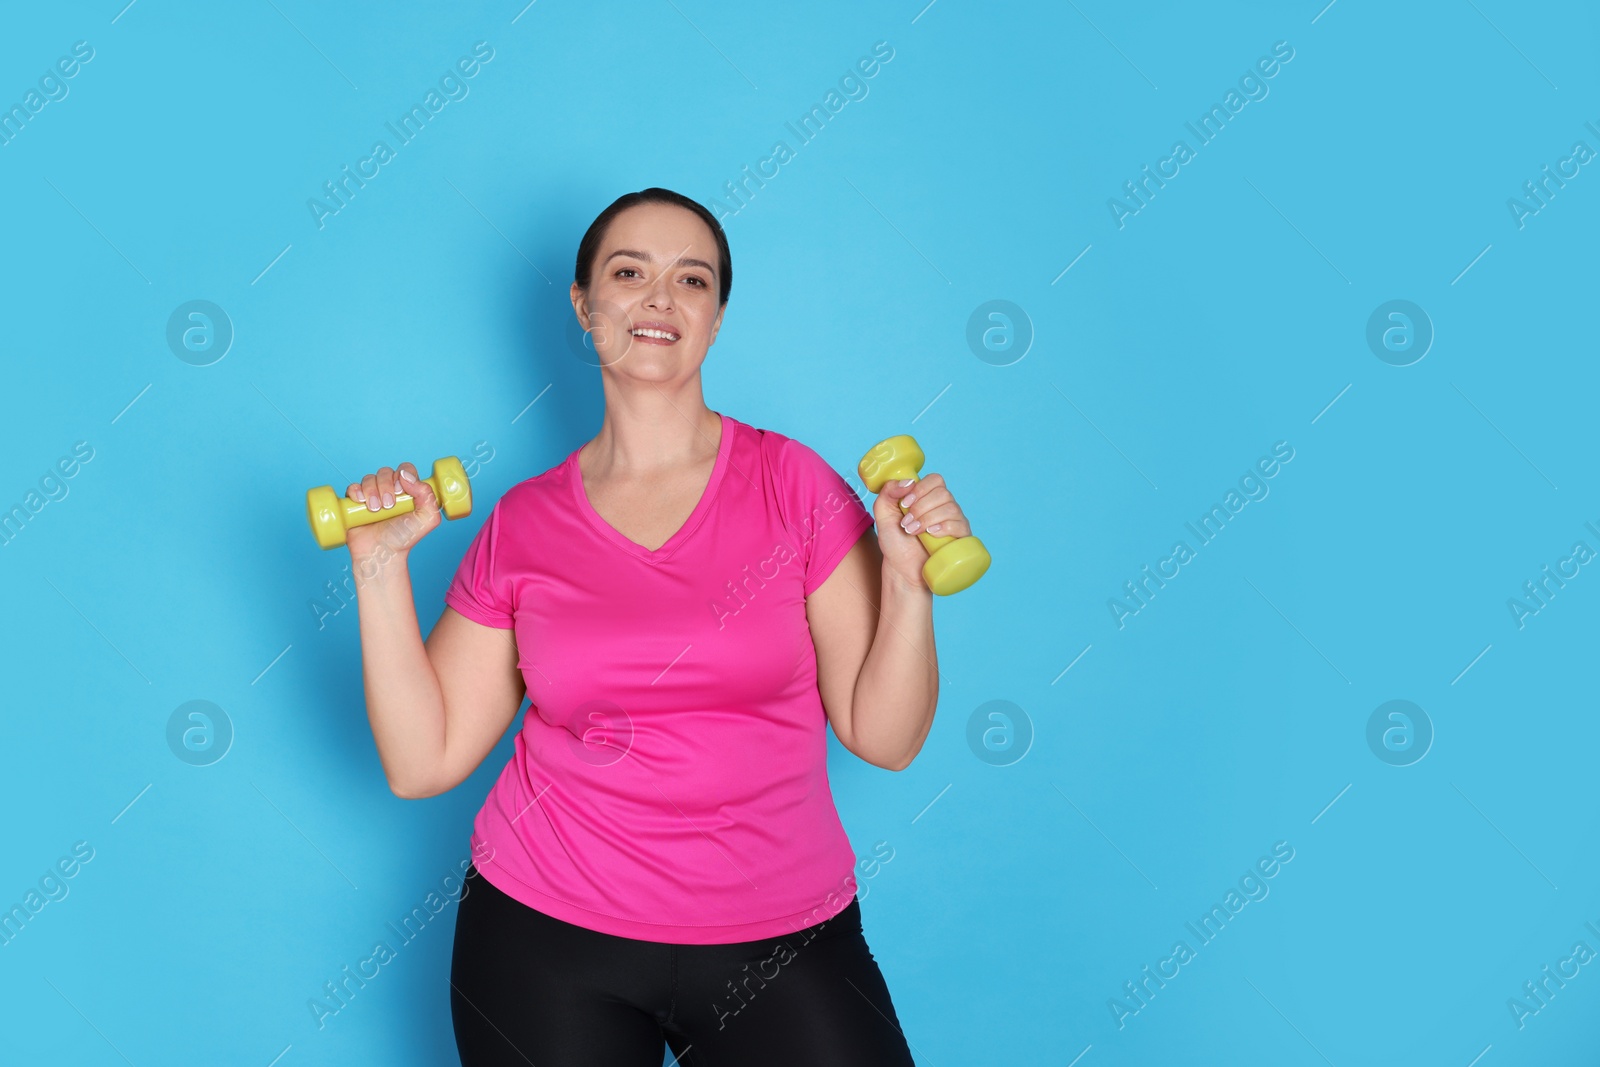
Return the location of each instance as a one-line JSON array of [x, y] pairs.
[[436, 709]]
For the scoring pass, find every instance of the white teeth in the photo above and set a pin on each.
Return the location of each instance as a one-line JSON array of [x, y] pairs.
[[659, 334]]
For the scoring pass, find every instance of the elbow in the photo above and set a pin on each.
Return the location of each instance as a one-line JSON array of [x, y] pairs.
[[899, 763], [412, 790], [905, 761], [880, 760], [419, 782], [885, 760]]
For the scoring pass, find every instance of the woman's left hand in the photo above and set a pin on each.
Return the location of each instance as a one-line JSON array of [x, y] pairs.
[[933, 510]]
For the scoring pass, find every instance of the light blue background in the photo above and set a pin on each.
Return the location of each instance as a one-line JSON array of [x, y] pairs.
[[1228, 314]]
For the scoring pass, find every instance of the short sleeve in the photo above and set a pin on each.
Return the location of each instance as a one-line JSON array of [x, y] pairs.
[[478, 589], [823, 513]]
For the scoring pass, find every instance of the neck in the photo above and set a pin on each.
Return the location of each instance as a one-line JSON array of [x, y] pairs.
[[648, 431]]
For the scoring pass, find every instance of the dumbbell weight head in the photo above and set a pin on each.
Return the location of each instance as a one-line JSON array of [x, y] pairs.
[[954, 563], [332, 515]]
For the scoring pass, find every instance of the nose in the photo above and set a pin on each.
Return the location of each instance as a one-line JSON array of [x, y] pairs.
[[660, 296]]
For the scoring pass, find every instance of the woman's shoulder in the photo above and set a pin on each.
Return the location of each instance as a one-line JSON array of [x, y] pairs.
[[802, 473], [766, 445], [539, 489], [774, 445]]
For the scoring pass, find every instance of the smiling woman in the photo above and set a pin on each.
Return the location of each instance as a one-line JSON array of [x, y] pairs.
[[664, 827], [602, 289]]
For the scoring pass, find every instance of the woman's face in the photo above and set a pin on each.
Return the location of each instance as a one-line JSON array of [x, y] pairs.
[[656, 271]]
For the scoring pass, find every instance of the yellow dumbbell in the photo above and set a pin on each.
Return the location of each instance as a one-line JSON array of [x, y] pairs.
[[953, 562], [331, 515]]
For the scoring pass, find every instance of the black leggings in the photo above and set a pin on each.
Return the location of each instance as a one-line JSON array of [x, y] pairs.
[[528, 988]]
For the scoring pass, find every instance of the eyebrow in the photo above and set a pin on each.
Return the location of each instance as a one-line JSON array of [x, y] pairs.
[[648, 258]]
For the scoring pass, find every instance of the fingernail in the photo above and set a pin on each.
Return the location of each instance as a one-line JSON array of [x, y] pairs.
[[361, 494], [907, 500], [908, 481]]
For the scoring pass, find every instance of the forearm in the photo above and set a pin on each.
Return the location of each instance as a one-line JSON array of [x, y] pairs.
[[404, 702], [898, 688]]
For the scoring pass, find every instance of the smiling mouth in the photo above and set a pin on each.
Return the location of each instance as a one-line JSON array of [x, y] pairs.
[[652, 335]]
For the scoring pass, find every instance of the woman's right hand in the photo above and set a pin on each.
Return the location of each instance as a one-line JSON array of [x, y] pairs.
[[397, 534]]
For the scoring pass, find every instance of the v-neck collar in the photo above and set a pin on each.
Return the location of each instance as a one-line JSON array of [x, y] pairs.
[[575, 478]]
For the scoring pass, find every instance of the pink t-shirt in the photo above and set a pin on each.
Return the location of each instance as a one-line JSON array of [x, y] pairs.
[[669, 782]]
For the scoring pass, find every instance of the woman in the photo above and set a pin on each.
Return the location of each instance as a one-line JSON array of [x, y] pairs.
[[688, 602]]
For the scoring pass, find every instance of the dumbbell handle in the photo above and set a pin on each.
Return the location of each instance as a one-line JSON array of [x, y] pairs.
[[356, 513], [331, 516], [954, 563], [929, 541], [887, 468]]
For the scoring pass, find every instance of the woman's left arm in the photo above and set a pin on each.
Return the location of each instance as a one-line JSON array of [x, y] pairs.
[[872, 624]]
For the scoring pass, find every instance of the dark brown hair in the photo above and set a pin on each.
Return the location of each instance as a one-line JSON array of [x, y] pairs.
[[589, 247]]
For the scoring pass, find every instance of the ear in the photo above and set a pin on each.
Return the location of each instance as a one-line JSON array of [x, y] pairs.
[[716, 325], [576, 295]]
